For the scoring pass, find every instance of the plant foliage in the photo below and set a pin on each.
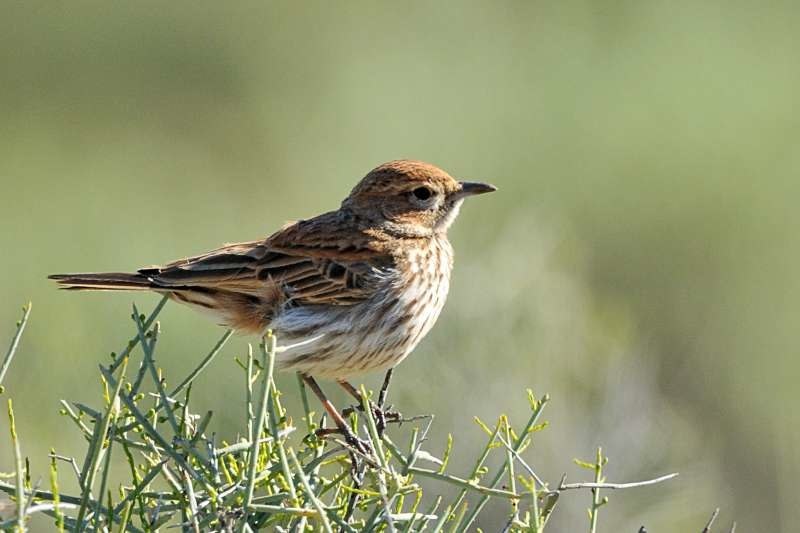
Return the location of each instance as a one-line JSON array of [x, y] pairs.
[[279, 475]]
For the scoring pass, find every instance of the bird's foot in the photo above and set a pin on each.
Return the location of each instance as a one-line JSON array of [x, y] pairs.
[[357, 444], [382, 415]]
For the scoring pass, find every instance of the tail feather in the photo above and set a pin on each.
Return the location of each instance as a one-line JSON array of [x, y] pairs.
[[104, 281]]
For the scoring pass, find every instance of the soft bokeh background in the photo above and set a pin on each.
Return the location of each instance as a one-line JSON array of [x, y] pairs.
[[639, 263]]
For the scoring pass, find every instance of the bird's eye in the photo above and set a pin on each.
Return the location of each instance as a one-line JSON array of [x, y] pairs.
[[422, 193]]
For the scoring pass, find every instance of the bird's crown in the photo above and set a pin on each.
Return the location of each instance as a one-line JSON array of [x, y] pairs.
[[401, 176]]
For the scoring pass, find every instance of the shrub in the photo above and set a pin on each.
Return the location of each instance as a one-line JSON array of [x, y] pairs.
[[280, 476]]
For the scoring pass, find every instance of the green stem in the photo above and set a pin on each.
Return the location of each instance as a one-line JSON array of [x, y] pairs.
[[97, 446], [12, 349], [597, 502], [269, 360], [204, 363], [323, 516], [134, 341], [537, 408], [55, 490], [20, 480]]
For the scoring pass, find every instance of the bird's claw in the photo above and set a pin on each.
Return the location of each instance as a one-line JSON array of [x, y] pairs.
[[351, 439], [381, 415]]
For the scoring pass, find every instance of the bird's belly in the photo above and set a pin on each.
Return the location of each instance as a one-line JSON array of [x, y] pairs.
[[339, 342]]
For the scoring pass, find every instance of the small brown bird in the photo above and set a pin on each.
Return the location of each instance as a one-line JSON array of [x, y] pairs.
[[345, 292]]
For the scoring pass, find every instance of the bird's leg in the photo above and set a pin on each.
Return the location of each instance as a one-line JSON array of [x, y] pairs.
[[385, 388], [351, 390], [385, 411], [349, 437], [381, 414]]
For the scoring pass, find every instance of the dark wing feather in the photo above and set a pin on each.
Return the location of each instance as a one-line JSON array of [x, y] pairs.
[[318, 261]]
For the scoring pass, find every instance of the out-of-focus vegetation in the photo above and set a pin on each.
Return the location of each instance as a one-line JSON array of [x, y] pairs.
[[638, 263]]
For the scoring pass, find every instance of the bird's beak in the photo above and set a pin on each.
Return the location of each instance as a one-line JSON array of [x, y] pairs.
[[471, 188]]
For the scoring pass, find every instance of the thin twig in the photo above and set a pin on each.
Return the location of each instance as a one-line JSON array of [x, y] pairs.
[[20, 486], [186, 479], [95, 450], [378, 450], [714, 515], [133, 494], [323, 516], [150, 429], [475, 469], [204, 363], [465, 483], [134, 341], [246, 445], [70, 460], [12, 349], [571, 486], [537, 407], [521, 461], [597, 502], [269, 358]]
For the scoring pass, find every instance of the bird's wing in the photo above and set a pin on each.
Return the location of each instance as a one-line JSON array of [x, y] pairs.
[[319, 261]]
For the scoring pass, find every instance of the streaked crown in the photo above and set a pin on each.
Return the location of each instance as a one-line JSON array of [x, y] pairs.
[[399, 176]]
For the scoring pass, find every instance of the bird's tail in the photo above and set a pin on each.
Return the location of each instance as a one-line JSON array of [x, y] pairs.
[[104, 281]]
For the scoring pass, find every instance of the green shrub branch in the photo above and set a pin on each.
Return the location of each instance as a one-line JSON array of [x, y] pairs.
[[276, 476]]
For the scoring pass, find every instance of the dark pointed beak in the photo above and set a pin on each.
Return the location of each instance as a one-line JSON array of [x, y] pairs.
[[470, 188]]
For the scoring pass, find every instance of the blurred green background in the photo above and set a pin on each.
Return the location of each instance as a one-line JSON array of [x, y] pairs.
[[638, 263]]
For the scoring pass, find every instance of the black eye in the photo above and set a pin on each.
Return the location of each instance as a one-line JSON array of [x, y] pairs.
[[422, 193]]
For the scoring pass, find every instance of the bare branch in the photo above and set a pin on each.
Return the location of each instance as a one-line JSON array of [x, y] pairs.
[[521, 461], [714, 515], [571, 486]]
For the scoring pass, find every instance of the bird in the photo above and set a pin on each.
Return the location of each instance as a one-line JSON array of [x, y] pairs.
[[346, 292]]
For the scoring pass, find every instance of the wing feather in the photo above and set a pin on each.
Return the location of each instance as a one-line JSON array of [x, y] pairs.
[[318, 261]]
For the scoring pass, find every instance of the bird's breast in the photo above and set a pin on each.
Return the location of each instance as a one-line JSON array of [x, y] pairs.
[[382, 330]]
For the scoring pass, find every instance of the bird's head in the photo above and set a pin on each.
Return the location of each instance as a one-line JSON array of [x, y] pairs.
[[412, 197]]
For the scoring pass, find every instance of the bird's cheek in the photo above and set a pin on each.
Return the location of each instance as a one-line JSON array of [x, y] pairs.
[[449, 215], [399, 213], [388, 210]]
